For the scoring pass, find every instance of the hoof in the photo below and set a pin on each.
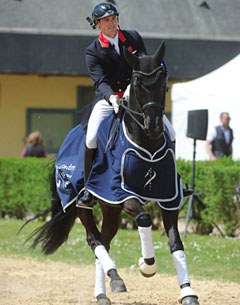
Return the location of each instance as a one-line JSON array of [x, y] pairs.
[[102, 299], [192, 300], [118, 286], [116, 283], [145, 269]]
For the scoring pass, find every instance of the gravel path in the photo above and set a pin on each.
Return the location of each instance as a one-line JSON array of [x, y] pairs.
[[30, 282]]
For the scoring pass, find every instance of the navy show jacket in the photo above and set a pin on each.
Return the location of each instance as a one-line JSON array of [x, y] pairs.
[[109, 70]]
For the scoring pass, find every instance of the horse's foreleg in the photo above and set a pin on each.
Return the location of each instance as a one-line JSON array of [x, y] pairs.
[[92, 233], [94, 240], [110, 223], [117, 284], [143, 220], [110, 226], [100, 285], [170, 220], [100, 245]]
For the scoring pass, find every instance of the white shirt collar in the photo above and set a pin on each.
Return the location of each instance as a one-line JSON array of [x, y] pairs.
[[113, 40]]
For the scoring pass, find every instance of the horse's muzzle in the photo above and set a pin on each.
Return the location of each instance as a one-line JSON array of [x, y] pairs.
[[153, 127]]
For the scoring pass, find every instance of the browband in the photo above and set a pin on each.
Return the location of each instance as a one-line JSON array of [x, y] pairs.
[[150, 73]]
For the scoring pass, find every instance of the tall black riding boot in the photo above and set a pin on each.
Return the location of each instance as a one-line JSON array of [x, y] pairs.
[[86, 199]]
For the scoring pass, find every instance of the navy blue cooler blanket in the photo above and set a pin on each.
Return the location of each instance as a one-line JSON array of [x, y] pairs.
[[69, 166], [124, 172]]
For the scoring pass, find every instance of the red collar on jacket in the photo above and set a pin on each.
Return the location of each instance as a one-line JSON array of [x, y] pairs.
[[105, 43]]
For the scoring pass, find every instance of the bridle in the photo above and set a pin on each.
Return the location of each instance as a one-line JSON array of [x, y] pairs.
[[137, 116], [148, 105]]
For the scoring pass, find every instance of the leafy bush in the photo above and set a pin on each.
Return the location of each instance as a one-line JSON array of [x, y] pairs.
[[25, 187], [217, 184]]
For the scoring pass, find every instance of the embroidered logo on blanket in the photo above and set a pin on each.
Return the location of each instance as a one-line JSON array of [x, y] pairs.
[[149, 178]]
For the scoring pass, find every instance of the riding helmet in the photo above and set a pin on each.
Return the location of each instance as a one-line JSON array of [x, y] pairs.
[[102, 10]]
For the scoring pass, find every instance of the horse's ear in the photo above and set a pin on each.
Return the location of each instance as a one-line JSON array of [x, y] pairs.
[[159, 54], [132, 59]]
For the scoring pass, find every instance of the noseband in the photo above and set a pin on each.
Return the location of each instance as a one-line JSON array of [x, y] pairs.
[[148, 105]]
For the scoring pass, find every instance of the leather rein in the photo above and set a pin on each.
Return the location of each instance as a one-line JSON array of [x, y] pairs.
[[131, 112]]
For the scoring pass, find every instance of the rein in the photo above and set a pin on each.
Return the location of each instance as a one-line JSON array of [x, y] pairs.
[[132, 112], [113, 131]]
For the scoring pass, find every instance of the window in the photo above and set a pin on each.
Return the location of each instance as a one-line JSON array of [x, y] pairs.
[[85, 96], [54, 124]]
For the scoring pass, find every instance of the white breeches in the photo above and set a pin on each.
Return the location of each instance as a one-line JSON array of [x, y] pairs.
[[100, 111]]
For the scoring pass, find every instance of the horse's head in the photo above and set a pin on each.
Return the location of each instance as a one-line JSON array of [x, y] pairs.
[[148, 90]]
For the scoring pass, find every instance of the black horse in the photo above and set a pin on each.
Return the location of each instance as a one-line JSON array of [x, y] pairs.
[[151, 152]]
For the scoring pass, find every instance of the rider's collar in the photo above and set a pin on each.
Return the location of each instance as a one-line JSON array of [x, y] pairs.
[[113, 40], [105, 41]]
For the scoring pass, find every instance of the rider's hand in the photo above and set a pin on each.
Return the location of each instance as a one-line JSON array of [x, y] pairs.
[[114, 101]]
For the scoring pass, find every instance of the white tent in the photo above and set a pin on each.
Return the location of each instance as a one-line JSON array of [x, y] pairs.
[[217, 91]]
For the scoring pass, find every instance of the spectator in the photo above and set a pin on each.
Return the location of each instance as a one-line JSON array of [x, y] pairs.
[[34, 146], [219, 141]]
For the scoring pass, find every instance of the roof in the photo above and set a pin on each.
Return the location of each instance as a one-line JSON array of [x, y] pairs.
[[196, 19], [199, 35]]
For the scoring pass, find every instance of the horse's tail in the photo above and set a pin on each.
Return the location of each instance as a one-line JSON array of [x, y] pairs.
[[55, 231]]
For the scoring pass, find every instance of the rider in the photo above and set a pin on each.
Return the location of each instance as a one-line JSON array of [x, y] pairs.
[[111, 75]]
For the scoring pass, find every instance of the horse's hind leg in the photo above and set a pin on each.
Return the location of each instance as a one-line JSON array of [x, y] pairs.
[[170, 220], [143, 220]]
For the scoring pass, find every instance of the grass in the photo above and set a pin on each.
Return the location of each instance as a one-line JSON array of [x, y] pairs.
[[209, 257]]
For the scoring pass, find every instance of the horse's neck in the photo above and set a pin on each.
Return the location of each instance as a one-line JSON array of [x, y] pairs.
[[138, 136]]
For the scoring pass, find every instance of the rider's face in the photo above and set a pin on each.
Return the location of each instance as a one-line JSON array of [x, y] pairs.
[[108, 25]]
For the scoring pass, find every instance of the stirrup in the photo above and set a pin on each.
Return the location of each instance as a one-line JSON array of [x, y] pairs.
[[86, 201], [187, 191]]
